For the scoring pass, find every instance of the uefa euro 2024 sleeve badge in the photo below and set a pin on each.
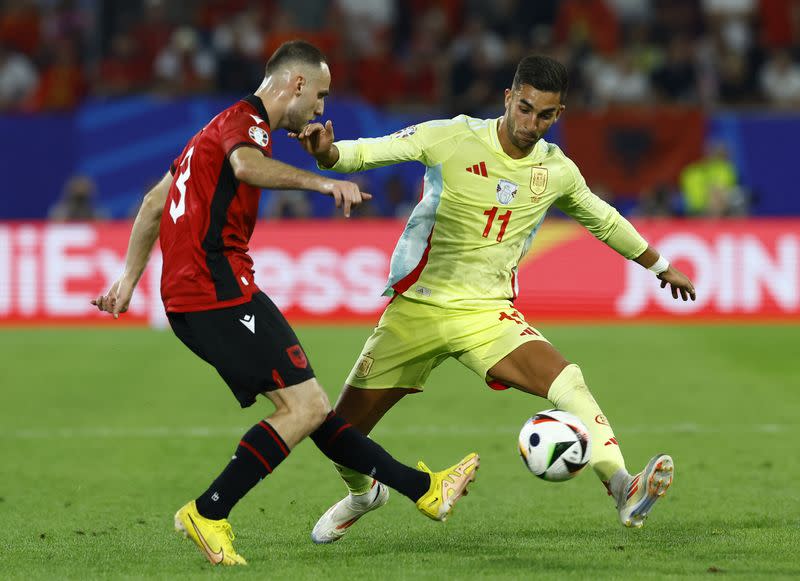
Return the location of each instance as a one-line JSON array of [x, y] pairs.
[[258, 135], [403, 133], [538, 182], [506, 191]]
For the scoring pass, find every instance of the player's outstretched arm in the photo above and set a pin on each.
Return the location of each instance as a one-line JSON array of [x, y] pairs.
[[143, 236], [669, 275], [252, 167]]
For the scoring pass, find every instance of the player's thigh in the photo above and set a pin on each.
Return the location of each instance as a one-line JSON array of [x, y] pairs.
[[252, 347], [501, 347], [531, 367], [402, 350]]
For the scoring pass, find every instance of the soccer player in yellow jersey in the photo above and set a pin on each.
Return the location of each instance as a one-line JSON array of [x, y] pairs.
[[488, 185]]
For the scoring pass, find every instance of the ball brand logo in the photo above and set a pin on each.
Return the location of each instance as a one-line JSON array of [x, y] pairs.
[[601, 419]]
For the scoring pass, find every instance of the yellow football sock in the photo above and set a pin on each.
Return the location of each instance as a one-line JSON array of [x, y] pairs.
[[569, 393], [356, 482]]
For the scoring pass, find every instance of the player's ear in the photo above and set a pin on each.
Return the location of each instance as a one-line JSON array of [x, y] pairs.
[[299, 84], [559, 111]]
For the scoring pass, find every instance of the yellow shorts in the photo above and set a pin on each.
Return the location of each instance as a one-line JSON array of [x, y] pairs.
[[413, 337]]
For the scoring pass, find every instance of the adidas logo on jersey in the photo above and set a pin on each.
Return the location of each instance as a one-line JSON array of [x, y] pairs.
[[479, 169]]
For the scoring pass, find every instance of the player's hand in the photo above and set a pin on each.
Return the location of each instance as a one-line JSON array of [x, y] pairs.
[[316, 139], [679, 283], [116, 300], [345, 194]]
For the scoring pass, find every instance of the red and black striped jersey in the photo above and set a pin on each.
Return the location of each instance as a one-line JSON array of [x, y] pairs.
[[209, 215]]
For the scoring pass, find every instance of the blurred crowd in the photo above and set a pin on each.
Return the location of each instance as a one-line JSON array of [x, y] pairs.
[[439, 56], [454, 55]]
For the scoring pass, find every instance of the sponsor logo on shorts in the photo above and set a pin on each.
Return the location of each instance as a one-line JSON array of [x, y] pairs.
[[422, 290], [364, 366], [601, 419]]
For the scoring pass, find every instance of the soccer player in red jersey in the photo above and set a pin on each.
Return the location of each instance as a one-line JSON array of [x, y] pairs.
[[204, 211]]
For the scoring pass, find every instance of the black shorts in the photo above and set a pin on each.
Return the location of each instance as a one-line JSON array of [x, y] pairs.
[[251, 346]]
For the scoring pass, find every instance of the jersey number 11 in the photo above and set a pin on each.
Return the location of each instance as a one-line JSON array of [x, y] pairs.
[[504, 218]]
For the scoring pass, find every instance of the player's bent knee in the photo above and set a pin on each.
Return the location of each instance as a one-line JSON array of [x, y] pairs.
[[570, 377]]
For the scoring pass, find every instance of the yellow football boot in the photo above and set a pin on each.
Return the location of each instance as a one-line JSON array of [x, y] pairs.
[[447, 487], [212, 537]]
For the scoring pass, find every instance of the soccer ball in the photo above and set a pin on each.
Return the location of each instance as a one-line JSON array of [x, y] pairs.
[[554, 445]]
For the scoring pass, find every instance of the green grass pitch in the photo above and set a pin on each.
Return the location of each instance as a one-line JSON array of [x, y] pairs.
[[106, 432]]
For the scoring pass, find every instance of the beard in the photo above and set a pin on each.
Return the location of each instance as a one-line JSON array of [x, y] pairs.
[[518, 141]]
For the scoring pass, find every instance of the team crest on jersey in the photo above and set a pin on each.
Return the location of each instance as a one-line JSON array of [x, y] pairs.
[[258, 135], [407, 132], [506, 191], [297, 356], [538, 182], [364, 366]]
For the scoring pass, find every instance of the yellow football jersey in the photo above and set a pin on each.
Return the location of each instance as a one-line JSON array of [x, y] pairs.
[[480, 209]]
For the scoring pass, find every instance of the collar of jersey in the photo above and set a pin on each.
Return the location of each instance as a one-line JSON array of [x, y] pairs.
[[257, 104], [532, 157]]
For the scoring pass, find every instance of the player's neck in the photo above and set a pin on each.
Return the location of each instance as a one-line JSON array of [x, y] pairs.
[[508, 146], [275, 103]]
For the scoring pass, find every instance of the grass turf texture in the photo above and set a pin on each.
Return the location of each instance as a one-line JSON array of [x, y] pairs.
[[105, 433]]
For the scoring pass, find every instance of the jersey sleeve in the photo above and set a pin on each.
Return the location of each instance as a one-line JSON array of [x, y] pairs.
[[430, 143], [242, 129], [600, 218]]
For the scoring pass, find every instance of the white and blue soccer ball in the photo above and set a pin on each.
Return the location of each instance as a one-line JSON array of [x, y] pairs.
[[555, 445]]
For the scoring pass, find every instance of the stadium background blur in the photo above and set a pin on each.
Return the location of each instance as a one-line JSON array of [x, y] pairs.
[[709, 81]]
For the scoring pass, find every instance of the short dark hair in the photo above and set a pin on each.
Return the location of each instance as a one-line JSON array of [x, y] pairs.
[[298, 51], [542, 73]]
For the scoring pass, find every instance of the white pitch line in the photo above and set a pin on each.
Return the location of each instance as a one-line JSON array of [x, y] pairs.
[[406, 431]]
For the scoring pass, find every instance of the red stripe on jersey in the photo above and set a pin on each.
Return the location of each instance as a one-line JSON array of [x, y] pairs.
[[513, 285], [405, 283], [484, 173]]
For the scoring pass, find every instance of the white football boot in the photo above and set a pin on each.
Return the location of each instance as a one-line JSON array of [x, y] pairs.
[[338, 519], [644, 489]]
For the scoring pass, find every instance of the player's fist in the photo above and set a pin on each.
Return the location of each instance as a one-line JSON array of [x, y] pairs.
[[117, 299], [345, 194]]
